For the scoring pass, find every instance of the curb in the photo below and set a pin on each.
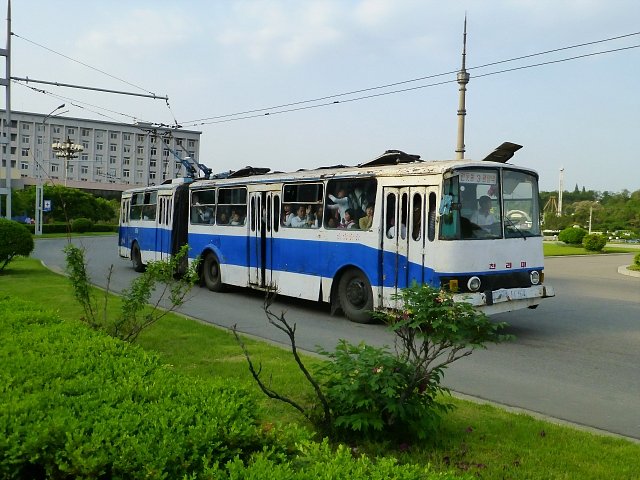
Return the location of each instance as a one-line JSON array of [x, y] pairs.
[[624, 270]]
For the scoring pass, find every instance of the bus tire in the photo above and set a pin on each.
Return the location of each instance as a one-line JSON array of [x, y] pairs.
[[356, 297], [136, 258], [211, 273]]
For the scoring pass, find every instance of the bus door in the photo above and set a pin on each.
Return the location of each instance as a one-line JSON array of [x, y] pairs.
[[124, 234], [263, 217], [403, 238], [163, 231]]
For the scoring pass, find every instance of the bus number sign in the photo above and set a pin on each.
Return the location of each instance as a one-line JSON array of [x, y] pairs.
[[486, 178]]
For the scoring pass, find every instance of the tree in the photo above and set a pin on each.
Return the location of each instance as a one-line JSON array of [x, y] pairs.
[[15, 240]]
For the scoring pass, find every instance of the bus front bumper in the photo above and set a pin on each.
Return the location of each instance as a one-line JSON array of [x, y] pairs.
[[506, 299]]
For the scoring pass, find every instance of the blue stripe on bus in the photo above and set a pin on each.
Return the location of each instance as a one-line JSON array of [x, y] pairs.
[[148, 238]]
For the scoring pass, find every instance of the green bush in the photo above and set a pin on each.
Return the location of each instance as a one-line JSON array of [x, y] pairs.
[[81, 225], [15, 240], [636, 259], [572, 235], [371, 394], [76, 403], [594, 242]]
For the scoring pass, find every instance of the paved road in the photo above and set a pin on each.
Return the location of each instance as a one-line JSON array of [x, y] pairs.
[[576, 357]]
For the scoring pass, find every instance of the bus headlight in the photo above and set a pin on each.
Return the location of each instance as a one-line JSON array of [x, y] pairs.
[[474, 284], [535, 277]]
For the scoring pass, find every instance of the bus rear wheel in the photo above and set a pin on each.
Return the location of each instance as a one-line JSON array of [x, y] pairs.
[[356, 297], [211, 273], [136, 258]]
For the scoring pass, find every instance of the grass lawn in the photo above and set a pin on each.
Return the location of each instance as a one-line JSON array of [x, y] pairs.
[[482, 440], [558, 248]]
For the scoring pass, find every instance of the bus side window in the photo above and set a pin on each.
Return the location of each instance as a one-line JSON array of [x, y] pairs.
[[390, 218], [276, 212], [404, 215], [253, 214], [431, 227], [416, 221]]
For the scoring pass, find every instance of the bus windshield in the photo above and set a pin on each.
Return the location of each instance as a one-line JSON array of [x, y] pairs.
[[490, 203]]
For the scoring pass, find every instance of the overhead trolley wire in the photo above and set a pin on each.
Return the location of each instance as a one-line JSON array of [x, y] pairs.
[[403, 82]]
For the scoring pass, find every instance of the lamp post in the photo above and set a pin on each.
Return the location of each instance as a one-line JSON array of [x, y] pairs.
[[39, 172], [66, 150]]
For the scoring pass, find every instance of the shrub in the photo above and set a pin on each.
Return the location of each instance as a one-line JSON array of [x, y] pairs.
[[594, 242], [81, 225], [572, 235], [15, 240], [76, 403]]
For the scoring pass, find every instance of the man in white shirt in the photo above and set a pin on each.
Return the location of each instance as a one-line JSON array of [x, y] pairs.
[[483, 216]]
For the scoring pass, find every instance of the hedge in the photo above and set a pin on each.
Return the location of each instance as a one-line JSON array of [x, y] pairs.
[[76, 403]]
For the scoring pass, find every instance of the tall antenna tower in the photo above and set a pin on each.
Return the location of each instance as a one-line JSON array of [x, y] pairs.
[[560, 191], [463, 79]]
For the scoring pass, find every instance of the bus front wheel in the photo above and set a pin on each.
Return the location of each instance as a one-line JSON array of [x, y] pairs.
[[356, 297], [211, 273], [136, 258]]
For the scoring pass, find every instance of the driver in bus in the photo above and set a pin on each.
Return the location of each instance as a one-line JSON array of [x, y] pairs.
[[483, 216]]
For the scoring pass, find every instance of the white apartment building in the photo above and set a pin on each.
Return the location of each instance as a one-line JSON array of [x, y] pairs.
[[115, 156]]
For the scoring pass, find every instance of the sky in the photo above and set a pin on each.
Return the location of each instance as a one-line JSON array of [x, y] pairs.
[[217, 59]]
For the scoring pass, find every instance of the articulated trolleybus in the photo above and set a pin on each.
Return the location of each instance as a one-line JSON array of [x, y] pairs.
[[353, 236]]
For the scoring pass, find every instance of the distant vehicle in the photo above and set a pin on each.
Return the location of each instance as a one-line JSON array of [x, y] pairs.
[[353, 236]]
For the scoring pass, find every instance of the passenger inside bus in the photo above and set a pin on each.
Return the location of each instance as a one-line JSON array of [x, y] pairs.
[[365, 222], [300, 220], [348, 221]]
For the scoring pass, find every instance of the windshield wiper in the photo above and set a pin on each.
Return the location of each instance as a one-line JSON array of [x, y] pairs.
[[515, 227]]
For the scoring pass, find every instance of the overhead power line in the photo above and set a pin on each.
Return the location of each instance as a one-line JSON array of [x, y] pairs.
[[222, 119], [403, 82]]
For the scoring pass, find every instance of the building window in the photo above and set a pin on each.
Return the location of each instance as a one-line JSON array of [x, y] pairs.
[[85, 157], [56, 139], [54, 168], [154, 151], [153, 139], [85, 132], [126, 137], [98, 158], [26, 126], [192, 154], [39, 128], [25, 152], [113, 136], [24, 166], [125, 173], [26, 139], [141, 138], [99, 171], [139, 162], [152, 175], [152, 163], [192, 143], [166, 140], [71, 131], [165, 152], [179, 141], [113, 147], [57, 129], [139, 173], [125, 161], [99, 133], [99, 146], [140, 150], [126, 149], [84, 169], [39, 140], [112, 160], [85, 145]]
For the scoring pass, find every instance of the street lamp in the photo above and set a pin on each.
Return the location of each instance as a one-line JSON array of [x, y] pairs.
[[39, 172], [66, 150]]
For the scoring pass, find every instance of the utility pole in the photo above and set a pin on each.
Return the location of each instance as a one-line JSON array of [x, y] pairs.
[[463, 79], [6, 141]]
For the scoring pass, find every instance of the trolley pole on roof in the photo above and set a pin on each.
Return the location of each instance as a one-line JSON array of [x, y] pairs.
[[463, 79]]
